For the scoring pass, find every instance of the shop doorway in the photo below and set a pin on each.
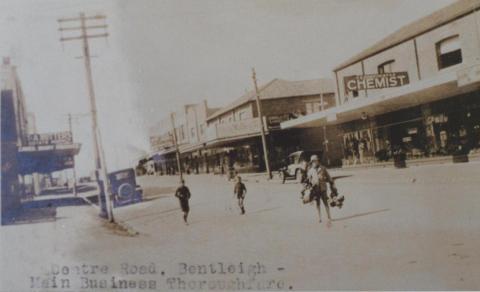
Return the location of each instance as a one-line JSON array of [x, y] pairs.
[[408, 136]]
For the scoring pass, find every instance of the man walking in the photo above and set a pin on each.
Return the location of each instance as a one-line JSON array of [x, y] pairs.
[[183, 195], [239, 191], [318, 177]]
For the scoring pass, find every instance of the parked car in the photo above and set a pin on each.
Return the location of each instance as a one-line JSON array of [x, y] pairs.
[[296, 165], [124, 187]]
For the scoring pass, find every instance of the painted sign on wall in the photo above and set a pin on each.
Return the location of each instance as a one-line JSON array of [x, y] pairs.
[[238, 128], [375, 81], [50, 139]]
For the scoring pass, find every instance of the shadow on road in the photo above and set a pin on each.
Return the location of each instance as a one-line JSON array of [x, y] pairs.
[[156, 197], [54, 203], [159, 213], [341, 176], [29, 216], [40, 210], [153, 191], [294, 181], [263, 210], [361, 214]]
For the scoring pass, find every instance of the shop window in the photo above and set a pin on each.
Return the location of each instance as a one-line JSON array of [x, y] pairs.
[[449, 52], [386, 67], [316, 106]]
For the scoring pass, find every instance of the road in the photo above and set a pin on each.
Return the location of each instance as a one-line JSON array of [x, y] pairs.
[[411, 229]]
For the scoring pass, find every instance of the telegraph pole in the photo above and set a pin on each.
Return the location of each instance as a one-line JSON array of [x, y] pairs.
[[262, 127], [177, 151], [73, 157], [84, 36]]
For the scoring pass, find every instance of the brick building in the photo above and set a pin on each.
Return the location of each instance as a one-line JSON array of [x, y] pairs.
[[236, 127], [26, 154], [191, 133], [416, 90], [212, 140]]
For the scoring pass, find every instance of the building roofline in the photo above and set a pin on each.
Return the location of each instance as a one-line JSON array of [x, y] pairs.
[[250, 95], [414, 29], [247, 97]]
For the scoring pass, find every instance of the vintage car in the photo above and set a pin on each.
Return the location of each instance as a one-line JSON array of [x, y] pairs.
[[124, 187], [296, 165]]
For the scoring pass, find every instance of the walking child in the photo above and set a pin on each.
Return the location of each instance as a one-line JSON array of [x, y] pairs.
[[239, 191], [183, 195], [318, 178]]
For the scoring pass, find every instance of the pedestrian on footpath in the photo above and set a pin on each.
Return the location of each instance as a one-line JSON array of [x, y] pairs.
[[183, 195], [239, 191], [318, 177]]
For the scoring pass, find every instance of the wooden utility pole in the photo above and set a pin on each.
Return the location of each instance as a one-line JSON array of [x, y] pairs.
[[175, 142], [262, 125], [70, 128], [84, 29]]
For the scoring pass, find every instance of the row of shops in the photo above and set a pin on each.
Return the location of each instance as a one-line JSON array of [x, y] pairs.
[[243, 156], [232, 135], [423, 131], [416, 92], [28, 159], [430, 106], [429, 130]]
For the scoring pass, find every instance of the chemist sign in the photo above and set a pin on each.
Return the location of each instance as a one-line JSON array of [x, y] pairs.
[[375, 81]]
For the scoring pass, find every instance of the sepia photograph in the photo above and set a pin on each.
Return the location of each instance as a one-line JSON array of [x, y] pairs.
[[239, 145]]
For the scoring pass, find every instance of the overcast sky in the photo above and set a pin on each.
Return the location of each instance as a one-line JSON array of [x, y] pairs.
[[162, 54]]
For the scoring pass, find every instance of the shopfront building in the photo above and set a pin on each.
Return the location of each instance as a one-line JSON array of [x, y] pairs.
[[417, 90], [236, 127], [429, 130]]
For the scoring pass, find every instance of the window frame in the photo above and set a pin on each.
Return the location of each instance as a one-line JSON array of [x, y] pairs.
[[438, 48], [381, 67]]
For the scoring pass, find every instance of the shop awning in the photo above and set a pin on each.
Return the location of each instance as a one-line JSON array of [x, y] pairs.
[[316, 119], [192, 147], [230, 140], [46, 158], [160, 155], [420, 92]]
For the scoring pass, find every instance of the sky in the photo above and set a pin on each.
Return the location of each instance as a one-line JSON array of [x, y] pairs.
[[162, 54]]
